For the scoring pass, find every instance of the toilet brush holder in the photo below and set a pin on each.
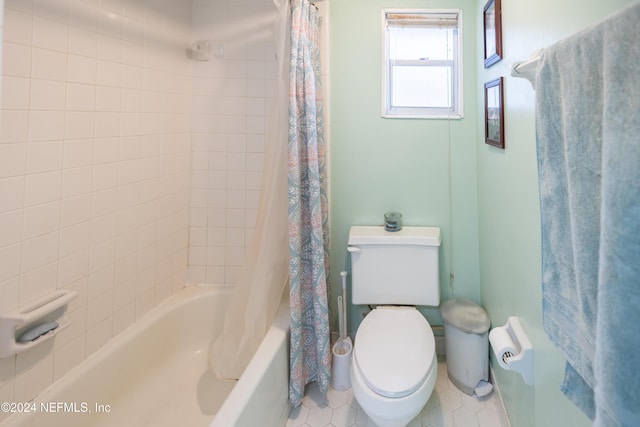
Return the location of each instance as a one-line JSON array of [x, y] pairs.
[[340, 377]]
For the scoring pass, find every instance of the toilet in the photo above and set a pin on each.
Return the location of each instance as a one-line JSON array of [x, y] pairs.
[[394, 367]]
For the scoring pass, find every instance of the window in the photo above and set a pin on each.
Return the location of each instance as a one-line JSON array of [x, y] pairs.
[[422, 64]]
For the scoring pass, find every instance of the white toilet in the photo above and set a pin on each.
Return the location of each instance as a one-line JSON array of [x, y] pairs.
[[393, 369]]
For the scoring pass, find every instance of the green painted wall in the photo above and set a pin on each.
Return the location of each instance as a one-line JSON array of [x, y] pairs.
[[508, 205], [425, 169]]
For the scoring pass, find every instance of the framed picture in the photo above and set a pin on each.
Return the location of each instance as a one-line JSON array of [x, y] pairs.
[[494, 113], [492, 32]]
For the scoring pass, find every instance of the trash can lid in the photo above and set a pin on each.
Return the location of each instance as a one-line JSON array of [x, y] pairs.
[[465, 315]]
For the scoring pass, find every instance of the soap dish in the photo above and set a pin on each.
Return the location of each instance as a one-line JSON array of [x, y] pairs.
[[34, 323]]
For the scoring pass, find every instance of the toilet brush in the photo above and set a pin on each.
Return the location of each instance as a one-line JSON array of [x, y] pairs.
[[340, 378], [343, 328], [340, 317]]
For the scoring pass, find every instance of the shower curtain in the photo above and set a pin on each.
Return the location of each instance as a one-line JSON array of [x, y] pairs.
[[263, 277], [308, 212]]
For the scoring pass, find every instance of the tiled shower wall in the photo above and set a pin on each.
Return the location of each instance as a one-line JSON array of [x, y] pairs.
[[231, 95], [94, 169]]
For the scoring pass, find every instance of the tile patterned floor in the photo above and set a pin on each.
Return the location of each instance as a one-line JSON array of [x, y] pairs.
[[447, 407]]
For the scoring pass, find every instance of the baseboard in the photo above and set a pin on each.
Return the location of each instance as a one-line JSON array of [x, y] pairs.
[[501, 410]]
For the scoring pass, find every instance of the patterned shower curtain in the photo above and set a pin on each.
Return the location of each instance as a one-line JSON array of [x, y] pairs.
[[308, 212]]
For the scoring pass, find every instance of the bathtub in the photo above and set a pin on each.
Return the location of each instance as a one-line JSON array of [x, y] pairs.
[[156, 373]]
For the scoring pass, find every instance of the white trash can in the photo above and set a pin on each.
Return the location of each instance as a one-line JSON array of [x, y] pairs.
[[466, 332]]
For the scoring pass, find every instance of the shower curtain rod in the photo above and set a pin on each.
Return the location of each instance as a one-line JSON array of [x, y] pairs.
[[527, 69]]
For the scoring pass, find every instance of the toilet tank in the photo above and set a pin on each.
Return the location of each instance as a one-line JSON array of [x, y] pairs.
[[399, 267]]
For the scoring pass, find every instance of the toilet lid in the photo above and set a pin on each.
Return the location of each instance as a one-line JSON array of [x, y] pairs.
[[394, 350]]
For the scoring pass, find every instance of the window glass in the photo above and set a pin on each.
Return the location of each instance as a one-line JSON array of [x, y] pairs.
[[421, 64]]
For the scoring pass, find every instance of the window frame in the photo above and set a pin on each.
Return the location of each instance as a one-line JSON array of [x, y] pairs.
[[456, 111]]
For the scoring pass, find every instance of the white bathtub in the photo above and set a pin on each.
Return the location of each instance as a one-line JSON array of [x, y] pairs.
[[156, 373]]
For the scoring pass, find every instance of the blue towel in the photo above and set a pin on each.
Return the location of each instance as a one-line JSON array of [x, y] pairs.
[[588, 136]]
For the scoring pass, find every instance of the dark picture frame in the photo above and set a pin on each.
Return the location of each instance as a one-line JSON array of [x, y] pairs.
[[492, 17], [494, 113]]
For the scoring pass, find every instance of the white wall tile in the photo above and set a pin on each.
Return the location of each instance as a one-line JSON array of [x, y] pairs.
[[47, 95], [11, 227], [105, 150], [101, 255], [99, 309], [50, 34], [44, 156], [129, 196], [74, 238], [79, 124], [12, 190], [82, 69], [41, 219], [46, 125], [103, 202], [80, 97], [84, 14], [20, 64], [48, 64], [15, 92], [12, 159], [98, 336], [109, 48], [10, 291], [73, 268], [77, 152], [39, 251], [75, 209], [109, 73], [108, 98], [107, 124], [105, 176], [18, 27], [76, 181], [52, 9], [68, 357], [111, 23], [43, 187], [123, 318], [125, 294], [103, 228], [15, 126], [38, 282], [10, 265], [83, 42]]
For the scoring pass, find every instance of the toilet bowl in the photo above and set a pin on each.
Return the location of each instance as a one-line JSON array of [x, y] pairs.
[[394, 367]]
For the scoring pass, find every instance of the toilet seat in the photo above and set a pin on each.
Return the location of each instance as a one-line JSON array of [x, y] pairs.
[[394, 350]]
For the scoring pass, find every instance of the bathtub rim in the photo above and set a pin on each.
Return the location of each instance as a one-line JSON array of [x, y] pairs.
[[279, 331]]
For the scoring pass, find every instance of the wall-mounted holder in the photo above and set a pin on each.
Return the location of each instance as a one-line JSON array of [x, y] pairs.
[[34, 323], [527, 69], [202, 50], [512, 349]]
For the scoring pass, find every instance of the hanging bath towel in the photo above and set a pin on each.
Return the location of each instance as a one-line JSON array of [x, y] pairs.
[[588, 132]]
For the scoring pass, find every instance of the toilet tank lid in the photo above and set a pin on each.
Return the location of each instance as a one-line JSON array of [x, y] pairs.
[[377, 235]]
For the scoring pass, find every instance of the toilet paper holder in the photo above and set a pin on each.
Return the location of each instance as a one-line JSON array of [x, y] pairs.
[[513, 349]]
